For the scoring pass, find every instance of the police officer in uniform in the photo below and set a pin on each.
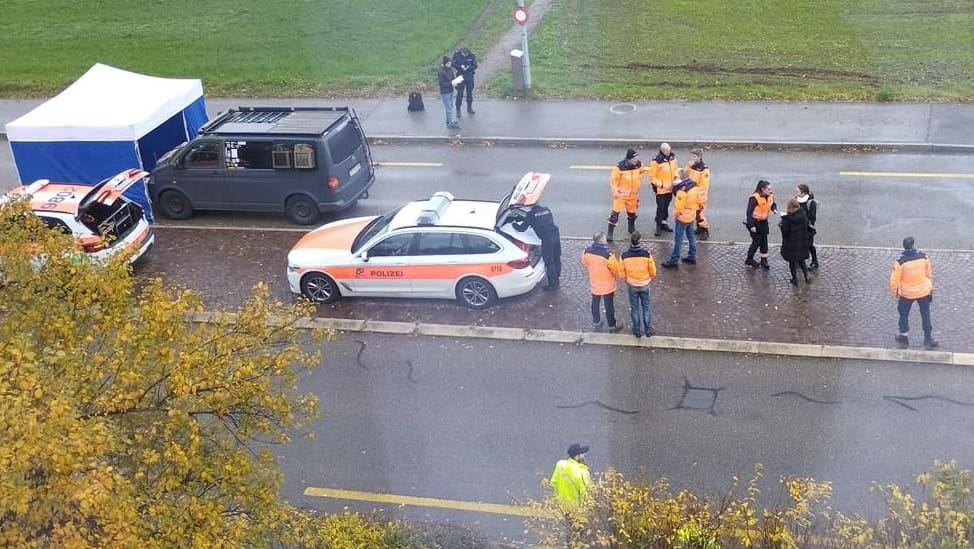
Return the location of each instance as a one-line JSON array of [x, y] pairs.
[[540, 219]]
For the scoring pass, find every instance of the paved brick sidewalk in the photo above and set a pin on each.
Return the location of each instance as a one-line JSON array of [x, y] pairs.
[[846, 304]]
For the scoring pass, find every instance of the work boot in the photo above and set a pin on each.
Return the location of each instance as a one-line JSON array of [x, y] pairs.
[[903, 340], [764, 263], [656, 232], [929, 342], [632, 224], [751, 263]]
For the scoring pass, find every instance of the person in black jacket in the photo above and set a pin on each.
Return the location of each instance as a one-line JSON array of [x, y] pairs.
[[444, 78], [465, 63], [540, 219], [808, 203], [795, 240], [760, 206]]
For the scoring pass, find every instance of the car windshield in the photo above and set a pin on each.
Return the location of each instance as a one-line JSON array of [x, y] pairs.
[[164, 159], [373, 229]]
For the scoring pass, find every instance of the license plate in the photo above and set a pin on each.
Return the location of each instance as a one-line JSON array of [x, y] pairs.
[[355, 169]]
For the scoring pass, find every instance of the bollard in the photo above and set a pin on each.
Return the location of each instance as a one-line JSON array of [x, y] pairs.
[[517, 70]]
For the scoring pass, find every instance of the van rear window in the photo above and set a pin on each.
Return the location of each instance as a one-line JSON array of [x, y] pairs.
[[344, 142]]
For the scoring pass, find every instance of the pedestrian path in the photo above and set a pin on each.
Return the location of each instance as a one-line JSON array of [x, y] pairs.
[[915, 127]]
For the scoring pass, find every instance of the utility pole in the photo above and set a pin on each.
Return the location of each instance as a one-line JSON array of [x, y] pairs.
[[526, 62]]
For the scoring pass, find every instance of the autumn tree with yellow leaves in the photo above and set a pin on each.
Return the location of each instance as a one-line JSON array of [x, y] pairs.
[[125, 424]]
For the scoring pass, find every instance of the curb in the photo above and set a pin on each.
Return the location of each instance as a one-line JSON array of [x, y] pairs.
[[770, 348], [727, 144]]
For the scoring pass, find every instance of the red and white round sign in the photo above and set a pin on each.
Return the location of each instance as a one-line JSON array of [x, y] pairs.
[[520, 15]]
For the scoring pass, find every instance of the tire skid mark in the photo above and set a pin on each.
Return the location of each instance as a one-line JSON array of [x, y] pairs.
[[410, 369], [807, 398], [599, 404], [899, 399]]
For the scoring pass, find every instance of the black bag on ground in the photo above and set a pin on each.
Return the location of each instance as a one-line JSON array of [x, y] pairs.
[[415, 102]]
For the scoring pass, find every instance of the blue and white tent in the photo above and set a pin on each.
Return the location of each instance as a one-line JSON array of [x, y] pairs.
[[108, 121]]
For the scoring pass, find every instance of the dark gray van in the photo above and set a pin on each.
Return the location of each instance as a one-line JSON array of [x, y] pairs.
[[300, 160]]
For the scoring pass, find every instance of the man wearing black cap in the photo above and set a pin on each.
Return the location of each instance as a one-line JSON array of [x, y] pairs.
[[625, 181], [571, 477]]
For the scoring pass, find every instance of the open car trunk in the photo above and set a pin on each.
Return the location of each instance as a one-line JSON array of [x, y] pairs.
[[106, 213], [514, 208]]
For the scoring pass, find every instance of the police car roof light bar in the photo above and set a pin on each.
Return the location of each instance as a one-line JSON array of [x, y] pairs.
[[435, 208]]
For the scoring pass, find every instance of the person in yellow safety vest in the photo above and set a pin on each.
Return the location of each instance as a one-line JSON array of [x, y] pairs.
[[760, 206], [911, 281], [571, 478], [685, 212], [662, 172], [625, 180], [700, 174]]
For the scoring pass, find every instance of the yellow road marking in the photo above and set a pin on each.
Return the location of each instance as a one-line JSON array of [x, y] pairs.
[[911, 174], [408, 164], [376, 497], [589, 167]]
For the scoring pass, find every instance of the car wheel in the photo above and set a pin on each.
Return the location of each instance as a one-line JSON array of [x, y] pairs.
[[320, 288], [301, 210], [476, 293], [175, 205]]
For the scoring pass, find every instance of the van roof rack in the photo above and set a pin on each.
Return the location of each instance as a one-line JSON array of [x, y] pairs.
[[276, 120]]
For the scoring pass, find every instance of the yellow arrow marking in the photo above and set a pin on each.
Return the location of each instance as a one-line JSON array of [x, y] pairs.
[[376, 497], [588, 167], [910, 174], [408, 164]]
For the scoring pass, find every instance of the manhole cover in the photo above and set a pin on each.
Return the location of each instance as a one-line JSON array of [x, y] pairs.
[[622, 108]]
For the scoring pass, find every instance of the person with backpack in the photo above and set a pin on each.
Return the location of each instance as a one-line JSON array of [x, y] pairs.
[[808, 203]]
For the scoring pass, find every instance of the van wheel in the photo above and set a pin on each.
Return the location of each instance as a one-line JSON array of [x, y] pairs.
[[301, 210], [476, 293], [175, 205], [320, 288]]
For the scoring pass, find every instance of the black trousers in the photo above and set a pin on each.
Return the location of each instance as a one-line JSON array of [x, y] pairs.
[[610, 308], [759, 240], [551, 254], [467, 85], [663, 207]]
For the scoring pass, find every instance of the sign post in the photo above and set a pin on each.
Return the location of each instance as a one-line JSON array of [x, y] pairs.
[[521, 18]]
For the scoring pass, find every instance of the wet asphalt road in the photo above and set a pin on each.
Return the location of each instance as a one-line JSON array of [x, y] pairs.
[[478, 420]]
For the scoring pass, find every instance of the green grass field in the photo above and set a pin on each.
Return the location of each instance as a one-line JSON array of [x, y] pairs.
[[750, 49], [613, 49], [294, 48]]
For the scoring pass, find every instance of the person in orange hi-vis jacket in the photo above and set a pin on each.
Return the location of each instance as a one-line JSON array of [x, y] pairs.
[[662, 173], [603, 267], [911, 282], [625, 180], [700, 174]]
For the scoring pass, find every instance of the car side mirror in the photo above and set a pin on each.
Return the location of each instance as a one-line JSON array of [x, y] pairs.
[[364, 255]]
